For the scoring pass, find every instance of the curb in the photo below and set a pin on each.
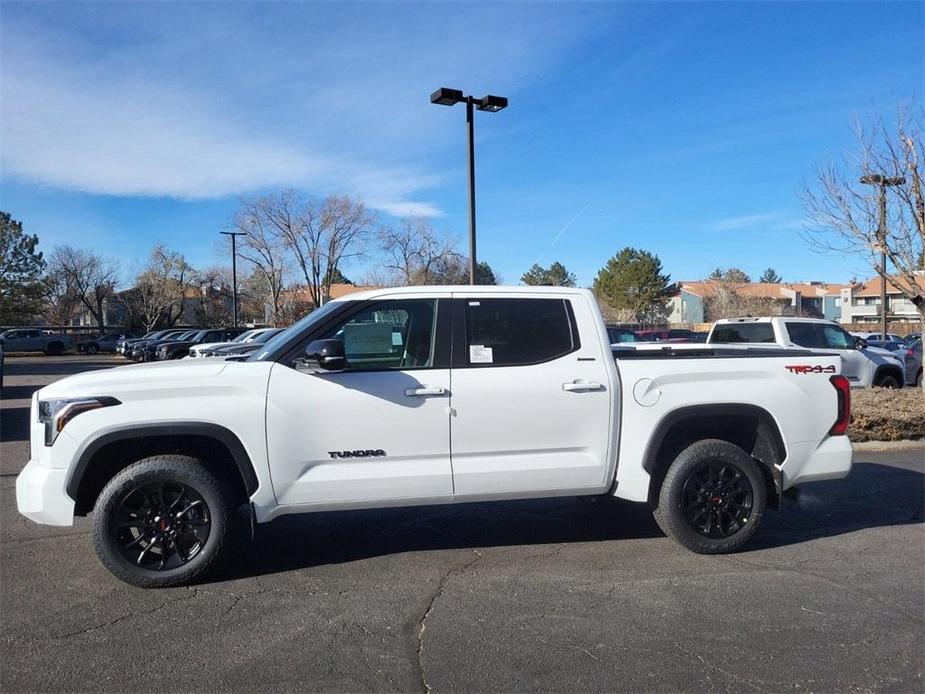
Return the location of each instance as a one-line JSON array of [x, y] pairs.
[[903, 445]]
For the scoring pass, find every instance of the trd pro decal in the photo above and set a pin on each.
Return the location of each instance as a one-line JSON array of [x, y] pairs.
[[807, 369]]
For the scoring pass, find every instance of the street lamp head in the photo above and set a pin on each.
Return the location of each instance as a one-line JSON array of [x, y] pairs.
[[447, 97], [492, 103]]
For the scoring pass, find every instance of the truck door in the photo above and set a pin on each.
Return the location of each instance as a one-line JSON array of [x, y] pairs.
[[377, 432], [531, 407], [819, 337]]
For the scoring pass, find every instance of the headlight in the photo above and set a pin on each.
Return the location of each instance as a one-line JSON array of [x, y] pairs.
[[55, 414]]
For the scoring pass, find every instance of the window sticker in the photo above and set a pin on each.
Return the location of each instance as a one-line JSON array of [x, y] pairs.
[[367, 338], [396, 338], [479, 354], [474, 303]]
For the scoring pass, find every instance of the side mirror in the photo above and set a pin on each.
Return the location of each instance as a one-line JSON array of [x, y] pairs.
[[860, 343], [323, 356]]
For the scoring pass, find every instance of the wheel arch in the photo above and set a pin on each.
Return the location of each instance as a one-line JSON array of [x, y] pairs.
[[750, 427], [99, 459], [889, 370]]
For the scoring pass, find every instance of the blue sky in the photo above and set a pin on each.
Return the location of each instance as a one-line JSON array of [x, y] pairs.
[[681, 128]]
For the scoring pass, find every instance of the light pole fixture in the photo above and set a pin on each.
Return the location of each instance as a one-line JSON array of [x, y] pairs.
[[491, 103], [883, 182], [234, 273]]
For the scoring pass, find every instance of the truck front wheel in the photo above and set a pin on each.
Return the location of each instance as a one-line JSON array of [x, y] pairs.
[[162, 522], [713, 497]]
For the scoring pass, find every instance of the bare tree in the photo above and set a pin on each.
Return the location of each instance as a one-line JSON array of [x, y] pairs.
[[214, 296], [88, 276], [415, 254], [60, 300], [844, 214], [320, 234], [262, 247], [161, 288]]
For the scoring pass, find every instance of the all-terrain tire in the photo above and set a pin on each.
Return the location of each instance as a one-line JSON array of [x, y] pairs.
[[888, 381], [676, 515], [175, 472]]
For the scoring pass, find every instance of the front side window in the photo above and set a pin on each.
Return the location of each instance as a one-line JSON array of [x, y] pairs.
[[515, 332], [804, 334], [395, 334], [837, 338]]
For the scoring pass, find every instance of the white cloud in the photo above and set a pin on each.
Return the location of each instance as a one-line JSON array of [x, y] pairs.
[[120, 101], [742, 222]]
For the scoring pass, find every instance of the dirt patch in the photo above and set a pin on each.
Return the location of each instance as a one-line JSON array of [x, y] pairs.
[[884, 414]]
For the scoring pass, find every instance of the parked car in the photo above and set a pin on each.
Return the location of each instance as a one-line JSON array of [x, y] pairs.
[[103, 343], [667, 335], [244, 348], [351, 409], [147, 351], [913, 359], [180, 348], [134, 350], [890, 337], [124, 345], [196, 351], [36, 340], [912, 337], [862, 365]]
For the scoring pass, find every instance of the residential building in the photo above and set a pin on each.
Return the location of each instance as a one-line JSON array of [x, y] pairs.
[[860, 303]]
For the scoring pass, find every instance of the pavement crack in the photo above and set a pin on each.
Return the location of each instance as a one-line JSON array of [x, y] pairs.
[[432, 601], [125, 617]]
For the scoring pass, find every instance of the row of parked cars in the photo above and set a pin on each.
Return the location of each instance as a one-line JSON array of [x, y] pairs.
[[162, 345]]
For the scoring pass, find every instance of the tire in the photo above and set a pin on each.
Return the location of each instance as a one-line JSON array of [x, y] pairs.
[[918, 379], [888, 381], [709, 484], [54, 349], [91, 349], [172, 550]]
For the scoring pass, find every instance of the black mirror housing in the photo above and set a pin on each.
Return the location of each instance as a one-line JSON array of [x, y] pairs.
[[323, 356], [860, 343]]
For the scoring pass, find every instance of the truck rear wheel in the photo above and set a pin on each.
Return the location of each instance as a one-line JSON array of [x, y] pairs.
[[161, 522], [713, 497]]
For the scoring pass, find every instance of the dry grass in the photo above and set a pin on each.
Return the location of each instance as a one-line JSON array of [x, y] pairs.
[[882, 414]]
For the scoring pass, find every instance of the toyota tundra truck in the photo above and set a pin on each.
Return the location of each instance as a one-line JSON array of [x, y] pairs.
[[429, 395]]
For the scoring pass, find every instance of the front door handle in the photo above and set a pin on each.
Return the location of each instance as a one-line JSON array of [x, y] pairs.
[[579, 386], [423, 392]]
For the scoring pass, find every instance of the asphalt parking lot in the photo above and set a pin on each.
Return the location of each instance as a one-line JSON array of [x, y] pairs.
[[559, 594]]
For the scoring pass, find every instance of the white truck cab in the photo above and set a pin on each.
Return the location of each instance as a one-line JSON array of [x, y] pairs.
[[429, 395], [862, 365]]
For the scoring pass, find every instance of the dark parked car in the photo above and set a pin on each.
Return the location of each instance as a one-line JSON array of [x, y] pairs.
[[103, 343], [616, 335], [124, 346], [180, 348], [136, 350], [147, 351]]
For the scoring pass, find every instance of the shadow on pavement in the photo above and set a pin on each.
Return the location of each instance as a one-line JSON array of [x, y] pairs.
[[14, 424], [873, 496], [57, 366]]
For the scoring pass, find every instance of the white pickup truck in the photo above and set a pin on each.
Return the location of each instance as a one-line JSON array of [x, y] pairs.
[[864, 366], [429, 395]]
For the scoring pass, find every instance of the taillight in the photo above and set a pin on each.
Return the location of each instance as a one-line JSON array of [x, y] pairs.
[[843, 388]]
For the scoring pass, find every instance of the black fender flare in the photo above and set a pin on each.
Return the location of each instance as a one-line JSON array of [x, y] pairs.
[[763, 417], [138, 431]]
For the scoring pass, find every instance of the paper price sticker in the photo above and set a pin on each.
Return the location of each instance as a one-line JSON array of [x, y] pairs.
[[479, 354]]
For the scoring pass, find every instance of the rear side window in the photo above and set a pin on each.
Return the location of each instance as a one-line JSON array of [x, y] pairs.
[[804, 334], [836, 338], [515, 332], [743, 332]]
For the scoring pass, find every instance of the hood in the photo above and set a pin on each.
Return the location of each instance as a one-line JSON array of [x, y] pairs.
[[130, 378], [878, 353]]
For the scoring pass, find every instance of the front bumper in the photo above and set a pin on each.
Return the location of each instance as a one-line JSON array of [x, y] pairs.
[[830, 460], [41, 495]]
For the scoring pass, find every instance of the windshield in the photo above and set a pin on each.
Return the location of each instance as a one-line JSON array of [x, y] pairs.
[[245, 336], [298, 327], [266, 336], [195, 337]]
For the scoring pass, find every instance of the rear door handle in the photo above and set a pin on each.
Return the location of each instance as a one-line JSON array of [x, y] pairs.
[[423, 392], [576, 386]]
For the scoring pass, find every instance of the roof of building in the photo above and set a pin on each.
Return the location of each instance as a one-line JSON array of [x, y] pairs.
[[872, 286], [768, 290]]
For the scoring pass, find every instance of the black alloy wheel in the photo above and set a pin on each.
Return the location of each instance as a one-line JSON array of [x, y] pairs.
[[161, 526], [717, 499]]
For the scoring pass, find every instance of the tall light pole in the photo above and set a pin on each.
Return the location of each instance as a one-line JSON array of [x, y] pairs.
[[882, 182], [449, 97], [234, 273]]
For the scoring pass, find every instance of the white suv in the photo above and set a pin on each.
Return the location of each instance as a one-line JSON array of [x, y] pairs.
[[862, 365]]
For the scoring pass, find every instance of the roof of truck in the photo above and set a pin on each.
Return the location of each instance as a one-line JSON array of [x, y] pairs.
[[466, 289]]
